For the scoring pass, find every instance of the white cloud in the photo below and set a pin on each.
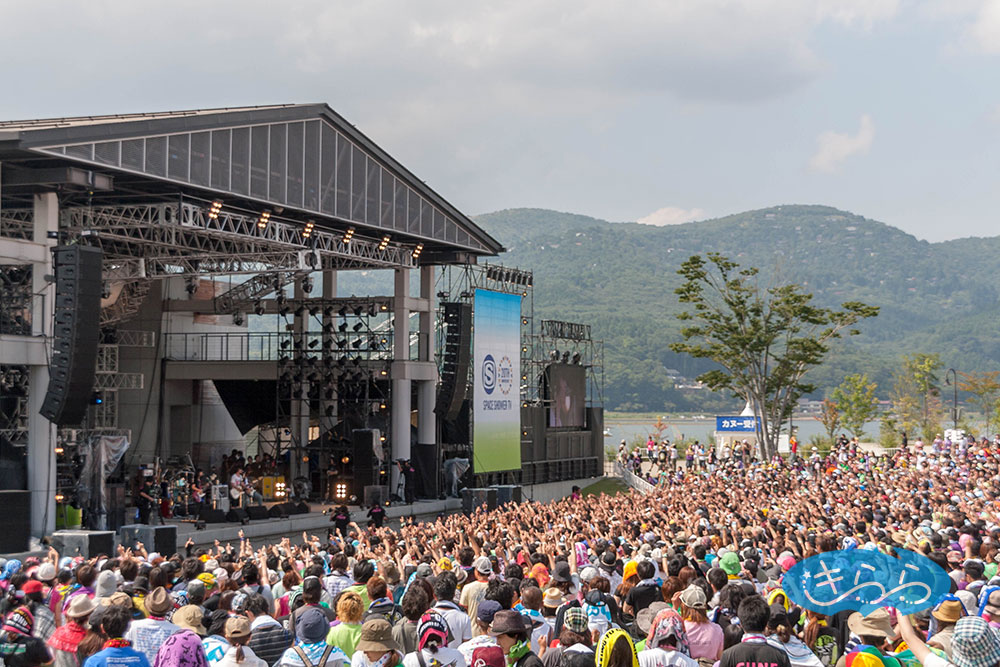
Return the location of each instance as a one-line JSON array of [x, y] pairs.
[[832, 148], [671, 215], [985, 29]]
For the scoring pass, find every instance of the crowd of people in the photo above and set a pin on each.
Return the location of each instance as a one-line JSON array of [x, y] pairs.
[[687, 574]]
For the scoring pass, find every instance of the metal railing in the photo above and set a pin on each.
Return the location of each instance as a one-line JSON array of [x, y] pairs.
[[632, 479], [237, 346]]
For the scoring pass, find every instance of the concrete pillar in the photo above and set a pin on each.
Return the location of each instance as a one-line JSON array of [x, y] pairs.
[[400, 436], [41, 432], [427, 389]]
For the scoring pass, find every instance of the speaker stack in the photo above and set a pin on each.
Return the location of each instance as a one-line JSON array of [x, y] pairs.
[[210, 515], [237, 515], [73, 363], [86, 543], [257, 512], [162, 539], [455, 360], [15, 521], [473, 499], [508, 493]]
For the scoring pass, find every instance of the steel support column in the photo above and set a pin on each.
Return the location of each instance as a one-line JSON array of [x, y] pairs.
[[427, 389], [298, 406], [42, 432]]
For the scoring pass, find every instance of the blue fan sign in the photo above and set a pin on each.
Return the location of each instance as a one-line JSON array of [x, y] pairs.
[[863, 580]]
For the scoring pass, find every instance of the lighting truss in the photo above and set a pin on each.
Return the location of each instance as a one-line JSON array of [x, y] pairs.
[[184, 239]]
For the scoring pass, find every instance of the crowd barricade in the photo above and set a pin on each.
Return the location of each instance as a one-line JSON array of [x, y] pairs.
[[632, 479]]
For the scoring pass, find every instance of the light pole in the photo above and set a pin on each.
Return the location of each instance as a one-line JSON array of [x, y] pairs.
[[952, 381]]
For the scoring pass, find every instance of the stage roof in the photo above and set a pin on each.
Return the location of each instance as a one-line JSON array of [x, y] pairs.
[[299, 161]]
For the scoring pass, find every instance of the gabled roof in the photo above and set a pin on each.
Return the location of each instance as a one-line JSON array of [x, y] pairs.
[[296, 157]]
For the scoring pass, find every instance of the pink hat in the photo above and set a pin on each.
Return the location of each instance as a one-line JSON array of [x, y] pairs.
[[787, 563]]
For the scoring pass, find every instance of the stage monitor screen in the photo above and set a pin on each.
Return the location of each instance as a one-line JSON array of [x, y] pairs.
[[567, 391]]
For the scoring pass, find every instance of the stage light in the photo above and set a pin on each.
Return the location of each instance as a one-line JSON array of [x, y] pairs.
[[258, 308], [308, 229], [190, 286], [342, 361], [343, 311], [264, 218], [358, 326], [328, 327], [576, 357], [340, 491], [358, 310], [356, 361], [383, 373], [284, 359], [356, 344], [524, 348], [307, 285], [328, 343], [313, 343], [60, 497], [371, 309], [524, 321], [565, 357], [59, 449], [381, 406], [283, 311], [280, 298], [298, 311], [349, 235], [345, 460], [384, 243], [96, 398], [442, 295], [554, 355], [341, 343], [382, 438], [314, 310], [384, 307], [342, 327], [213, 211], [328, 311], [419, 249], [466, 295]]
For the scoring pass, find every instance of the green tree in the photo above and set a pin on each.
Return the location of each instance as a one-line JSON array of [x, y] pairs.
[[856, 402], [985, 390], [829, 417], [764, 338], [916, 395]]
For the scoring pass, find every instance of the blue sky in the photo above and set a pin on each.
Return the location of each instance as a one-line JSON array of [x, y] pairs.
[[661, 111]]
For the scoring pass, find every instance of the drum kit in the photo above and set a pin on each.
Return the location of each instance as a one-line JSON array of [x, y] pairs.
[[177, 492]]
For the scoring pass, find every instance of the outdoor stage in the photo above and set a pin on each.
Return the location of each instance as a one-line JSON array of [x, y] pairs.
[[316, 522]]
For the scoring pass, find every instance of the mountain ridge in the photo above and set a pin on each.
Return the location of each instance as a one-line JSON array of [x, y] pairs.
[[620, 277]]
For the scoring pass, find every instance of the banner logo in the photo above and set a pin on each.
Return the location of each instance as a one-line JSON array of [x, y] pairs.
[[490, 374], [505, 373]]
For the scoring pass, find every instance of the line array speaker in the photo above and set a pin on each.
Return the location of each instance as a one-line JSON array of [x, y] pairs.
[[15, 521], [73, 364], [456, 359]]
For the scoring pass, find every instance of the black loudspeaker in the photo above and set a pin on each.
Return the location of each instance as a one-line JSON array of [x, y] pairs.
[[455, 360], [209, 515], [257, 512], [473, 499], [302, 508], [116, 507], [279, 511], [237, 515], [73, 363], [425, 463], [161, 539], [508, 493], [86, 543], [15, 521], [366, 466]]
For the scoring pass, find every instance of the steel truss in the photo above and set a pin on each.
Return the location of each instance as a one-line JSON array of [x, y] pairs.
[[162, 240]]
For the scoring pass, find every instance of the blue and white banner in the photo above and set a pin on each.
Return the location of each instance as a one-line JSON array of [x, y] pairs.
[[496, 414], [737, 424]]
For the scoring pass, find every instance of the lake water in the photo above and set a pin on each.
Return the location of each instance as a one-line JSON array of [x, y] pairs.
[[703, 429]]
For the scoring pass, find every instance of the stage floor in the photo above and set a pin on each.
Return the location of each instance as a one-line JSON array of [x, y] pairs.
[[313, 523]]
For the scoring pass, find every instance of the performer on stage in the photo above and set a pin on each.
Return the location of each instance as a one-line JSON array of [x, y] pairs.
[[240, 485]]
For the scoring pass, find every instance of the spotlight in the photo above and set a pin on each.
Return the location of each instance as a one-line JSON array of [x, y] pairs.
[[105, 291], [59, 449], [358, 326], [328, 327], [238, 318], [554, 355], [307, 285], [358, 310], [308, 230], [280, 298], [264, 218], [565, 357], [524, 321], [419, 249], [442, 295], [356, 344], [340, 491], [356, 361], [384, 243], [284, 344], [349, 235], [313, 343], [213, 211], [96, 398], [283, 311], [342, 327], [341, 343], [576, 358], [258, 308], [343, 311], [298, 311], [60, 497]]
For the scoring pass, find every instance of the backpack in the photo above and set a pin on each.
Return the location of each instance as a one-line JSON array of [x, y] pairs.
[[391, 614], [308, 663]]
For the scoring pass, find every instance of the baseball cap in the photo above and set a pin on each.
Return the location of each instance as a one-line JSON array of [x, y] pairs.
[[487, 610], [483, 565], [730, 563]]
